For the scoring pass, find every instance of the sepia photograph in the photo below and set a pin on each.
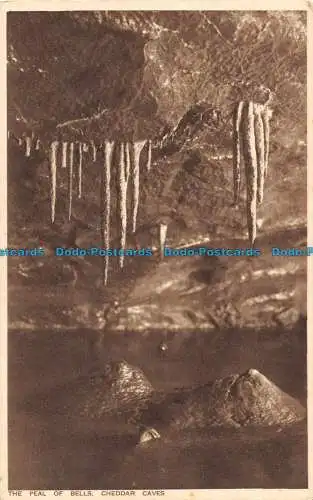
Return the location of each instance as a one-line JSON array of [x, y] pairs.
[[156, 250]]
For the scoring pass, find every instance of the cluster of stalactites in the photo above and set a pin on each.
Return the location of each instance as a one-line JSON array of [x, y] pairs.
[[251, 136], [62, 155], [27, 142], [128, 168]]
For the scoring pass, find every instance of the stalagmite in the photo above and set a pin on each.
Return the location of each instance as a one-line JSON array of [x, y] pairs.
[[236, 149], [28, 143], [85, 148], [259, 146], [250, 158], [122, 198], [70, 180], [138, 146], [162, 238], [149, 155], [53, 173], [266, 115], [94, 151], [105, 204], [20, 141], [37, 147], [64, 154], [80, 166]]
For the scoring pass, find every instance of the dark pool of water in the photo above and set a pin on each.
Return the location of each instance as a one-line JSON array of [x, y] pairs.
[[44, 454]]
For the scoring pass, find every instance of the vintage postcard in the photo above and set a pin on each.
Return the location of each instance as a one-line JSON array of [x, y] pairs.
[[155, 249]]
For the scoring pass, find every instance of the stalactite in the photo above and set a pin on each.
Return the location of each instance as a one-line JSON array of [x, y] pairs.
[[85, 148], [137, 148], [266, 115], [70, 180], [53, 173], [37, 147], [105, 204], [94, 151], [28, 144], [236, 149], [149, 155], [162, 238], [259, 147], [80, 166], [64, 154], [122, 198], [127, 161], [20, 141], [250, 158], [251, 134]]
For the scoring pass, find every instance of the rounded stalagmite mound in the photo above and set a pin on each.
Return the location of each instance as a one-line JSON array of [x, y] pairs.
[[116, 390], [249, 399], [258, 401]]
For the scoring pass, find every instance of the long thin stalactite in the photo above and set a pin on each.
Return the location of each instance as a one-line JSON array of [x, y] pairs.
[[162, 238], [137, 148], [64, 154], [259, 145], [127, 161], [53, 175], [250, 159], [149, 155], [122, 198], [70, 180], [28, 146], [236, 150], [105, 205], [80, 167], [266, 115]]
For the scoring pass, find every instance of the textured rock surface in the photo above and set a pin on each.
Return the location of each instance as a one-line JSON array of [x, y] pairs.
[[118, 388], [249, 399], [202, 292], [162, 65], [178, 293], [137, 74]]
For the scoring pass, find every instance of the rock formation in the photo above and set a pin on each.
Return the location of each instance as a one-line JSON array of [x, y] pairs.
[[249, 399]]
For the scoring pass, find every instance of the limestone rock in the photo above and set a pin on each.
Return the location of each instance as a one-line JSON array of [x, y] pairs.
[[119, 387], [288, 317], [249, 399]]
